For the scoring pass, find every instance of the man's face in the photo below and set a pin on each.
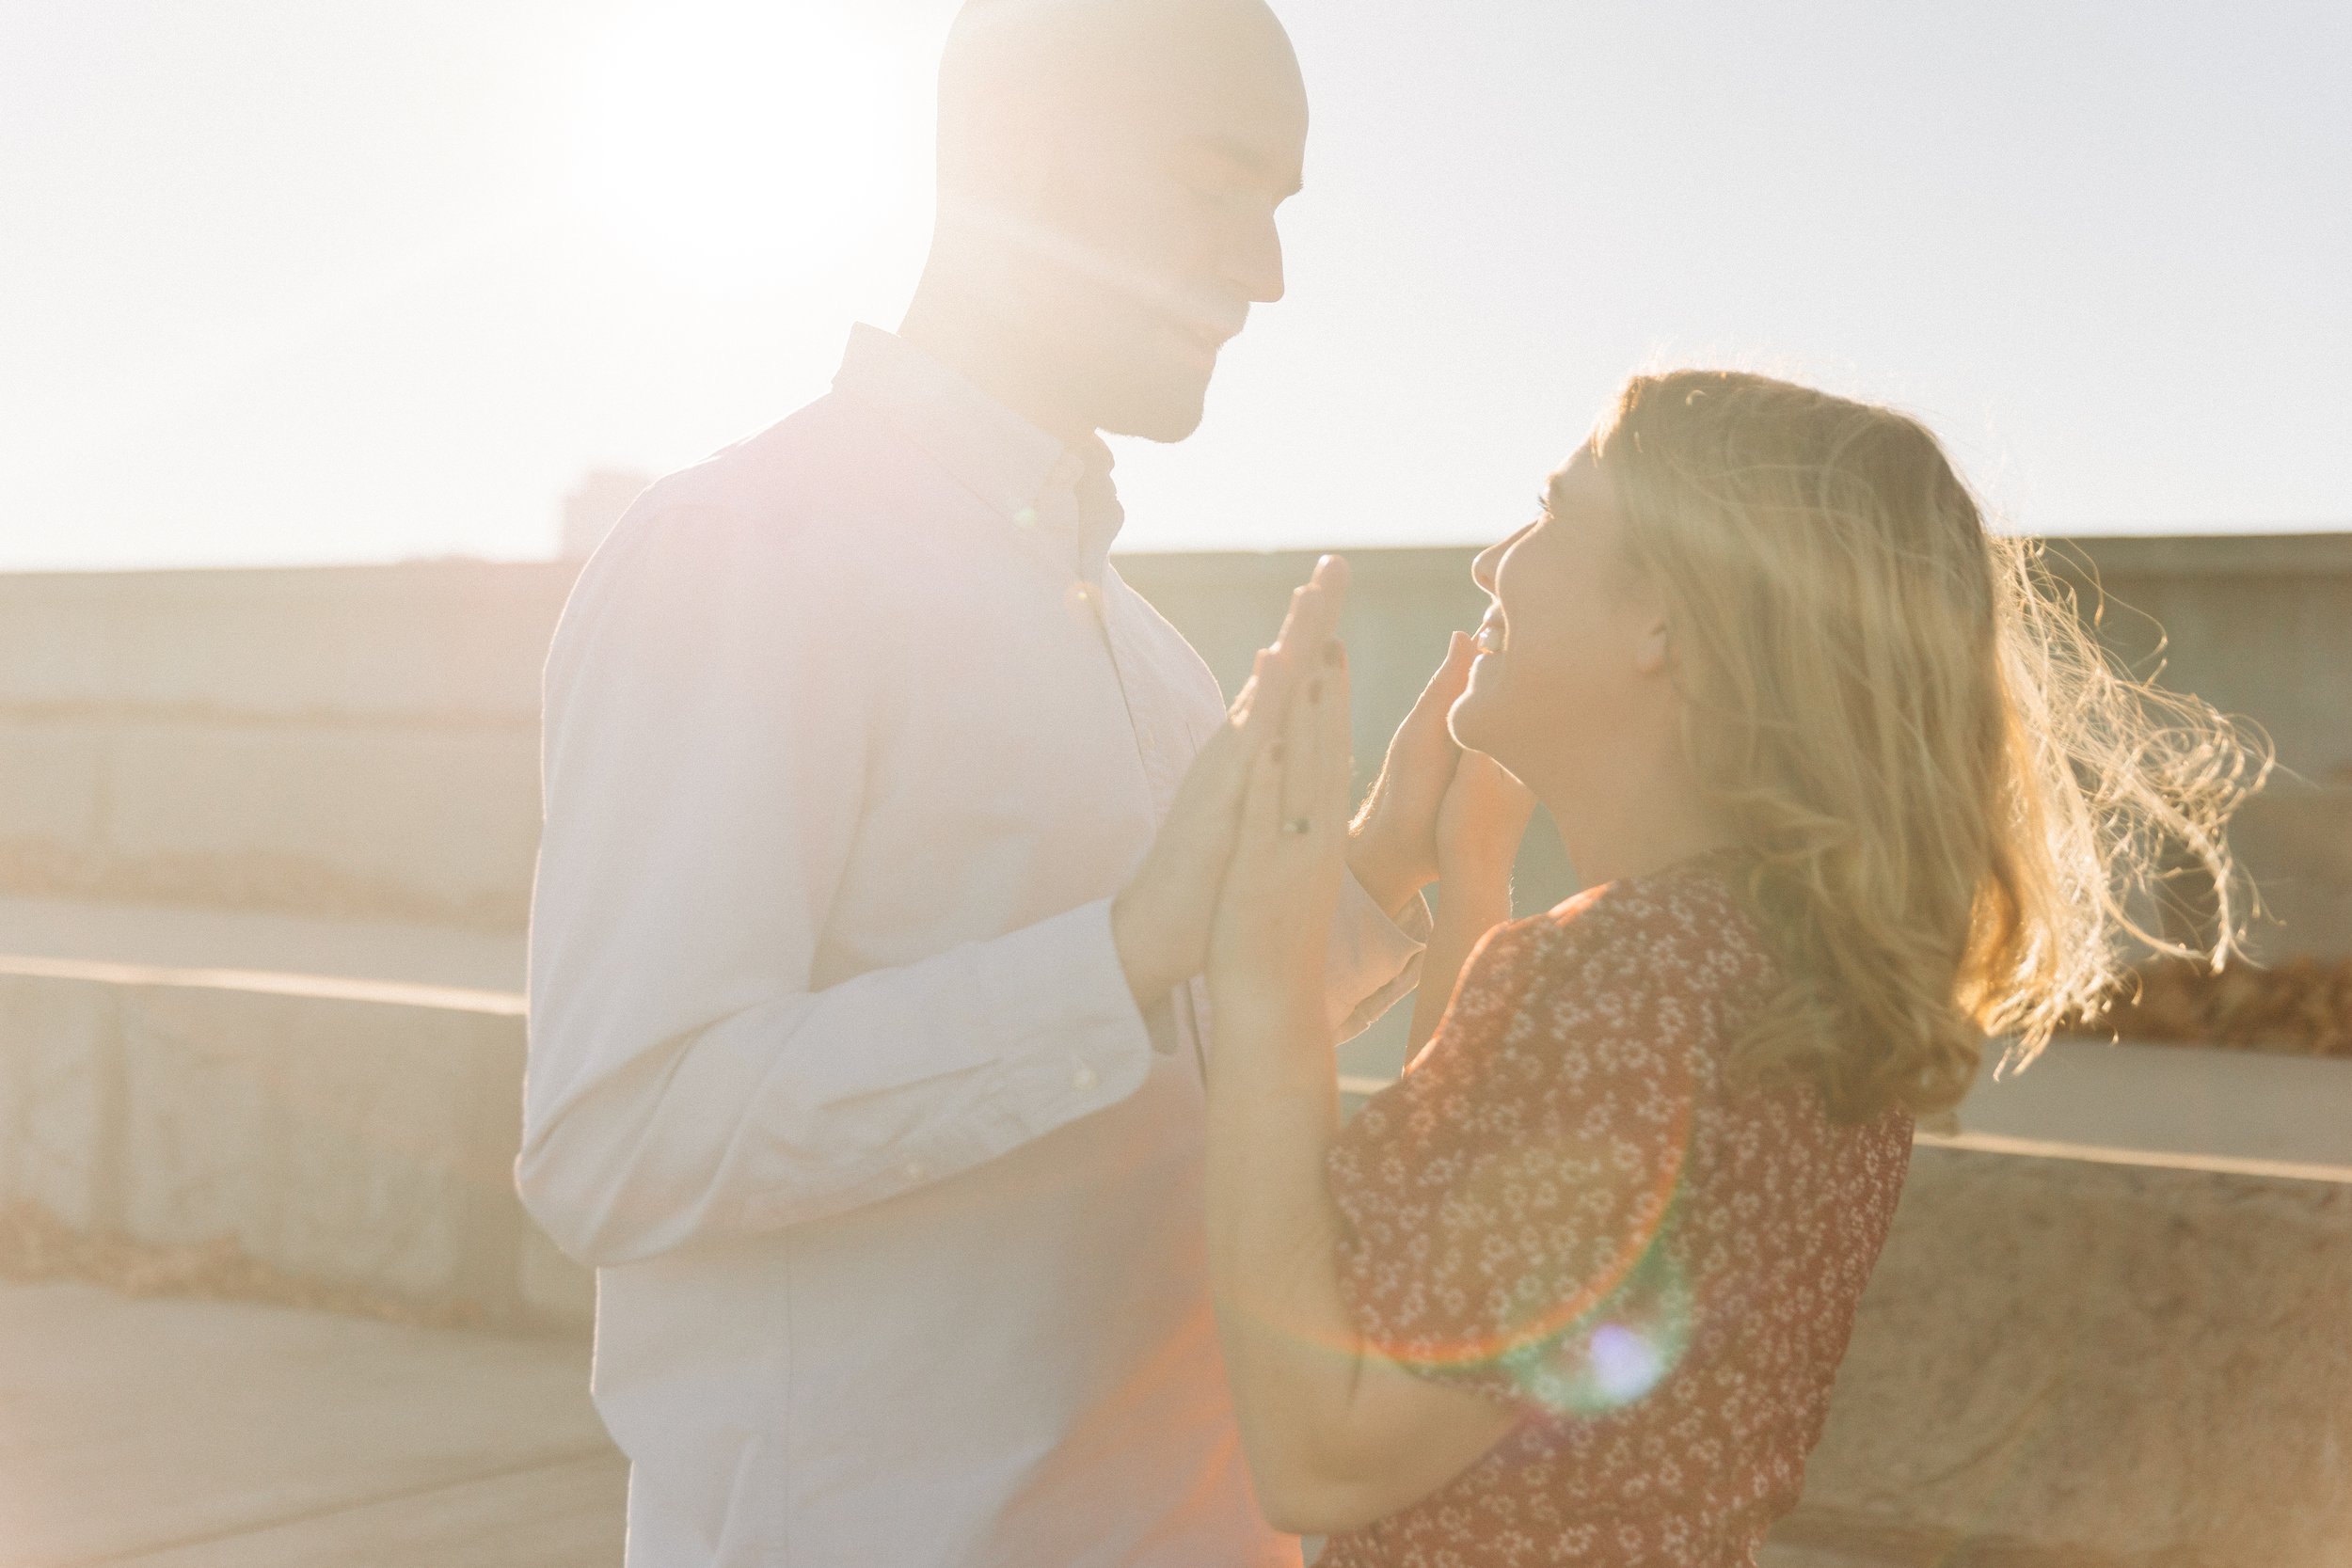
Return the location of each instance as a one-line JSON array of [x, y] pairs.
[[1156, 230]]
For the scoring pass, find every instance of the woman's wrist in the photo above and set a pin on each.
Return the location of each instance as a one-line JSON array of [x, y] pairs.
[[1383, 870], [1473, 902], [1476, 876]]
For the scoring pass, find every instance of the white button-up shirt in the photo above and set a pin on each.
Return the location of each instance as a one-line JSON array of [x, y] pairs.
[[895, 1199]]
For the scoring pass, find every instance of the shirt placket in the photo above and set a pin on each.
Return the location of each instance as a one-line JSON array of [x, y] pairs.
[[1161, 755]]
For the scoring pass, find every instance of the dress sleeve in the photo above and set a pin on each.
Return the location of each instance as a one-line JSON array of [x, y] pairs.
[[1507, 1198]]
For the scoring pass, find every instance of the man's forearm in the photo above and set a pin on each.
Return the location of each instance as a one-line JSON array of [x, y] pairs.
[[640, 1136]]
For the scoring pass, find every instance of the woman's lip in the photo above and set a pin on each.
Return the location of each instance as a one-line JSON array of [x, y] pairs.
[[1487, 638]]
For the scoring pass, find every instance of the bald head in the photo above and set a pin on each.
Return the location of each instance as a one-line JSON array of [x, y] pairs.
[[1020, 73], [1110, 171]]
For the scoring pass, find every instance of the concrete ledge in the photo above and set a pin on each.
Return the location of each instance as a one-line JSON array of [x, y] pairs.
[[350, 1133], [2246, 1112], [2102, 1363], [245, 942]]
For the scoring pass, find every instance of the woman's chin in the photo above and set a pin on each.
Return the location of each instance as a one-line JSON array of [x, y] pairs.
[[1467, 721]]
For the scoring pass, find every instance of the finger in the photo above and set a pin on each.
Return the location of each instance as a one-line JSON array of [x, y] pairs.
[[1246, 699], [1302, 753], [1259, 712], [1332, 577], [1304, 599], [1338, 739], [1314, 608], [1262, 805], [1451, 676]]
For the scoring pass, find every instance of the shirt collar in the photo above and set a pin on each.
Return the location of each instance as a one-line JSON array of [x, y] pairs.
[[1009, 462]]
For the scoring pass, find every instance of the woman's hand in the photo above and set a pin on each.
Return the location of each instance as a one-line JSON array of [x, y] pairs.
[[1479, 828], [1336, 1436], [1482, 821], [1160, 921], [1393, 851], [1282, 884]]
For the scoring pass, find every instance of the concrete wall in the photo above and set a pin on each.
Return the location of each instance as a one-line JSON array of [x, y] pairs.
[[2096, 1366], [341, 742], [361, 742]]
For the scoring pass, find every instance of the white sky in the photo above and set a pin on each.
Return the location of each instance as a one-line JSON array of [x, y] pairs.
[[285, 281]]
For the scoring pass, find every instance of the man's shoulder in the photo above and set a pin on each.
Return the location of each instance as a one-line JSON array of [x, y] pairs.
[[821, 457], [769, 532], [797, 505]]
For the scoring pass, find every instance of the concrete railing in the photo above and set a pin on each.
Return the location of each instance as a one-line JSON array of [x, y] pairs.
[[360, 742], [355, 1136]]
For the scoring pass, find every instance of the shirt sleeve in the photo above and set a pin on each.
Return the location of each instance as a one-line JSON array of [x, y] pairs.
[[1372, 961], [712, 705], [1507, 1200]]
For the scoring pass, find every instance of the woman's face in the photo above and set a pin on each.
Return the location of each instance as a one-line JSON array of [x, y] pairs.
[[1572, 652]]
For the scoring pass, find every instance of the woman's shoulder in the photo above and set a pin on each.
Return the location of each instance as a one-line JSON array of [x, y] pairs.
[[1686, 924], [1667, 965]]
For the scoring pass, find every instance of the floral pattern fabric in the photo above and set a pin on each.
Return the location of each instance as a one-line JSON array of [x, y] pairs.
[[1564, 1204]]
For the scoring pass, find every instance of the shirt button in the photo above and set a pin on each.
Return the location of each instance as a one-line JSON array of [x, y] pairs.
[[1082, 1079], [915, 1170]]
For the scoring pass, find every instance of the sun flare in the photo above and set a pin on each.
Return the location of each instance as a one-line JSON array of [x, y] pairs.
[[734, 143]]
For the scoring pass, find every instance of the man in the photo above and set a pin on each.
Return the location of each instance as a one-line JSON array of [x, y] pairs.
[[867, 1051]]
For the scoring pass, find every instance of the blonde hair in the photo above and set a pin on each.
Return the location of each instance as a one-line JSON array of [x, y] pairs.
[[1957, 808]]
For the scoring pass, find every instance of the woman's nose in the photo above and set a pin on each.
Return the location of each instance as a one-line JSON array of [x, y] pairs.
[[1482, 567]]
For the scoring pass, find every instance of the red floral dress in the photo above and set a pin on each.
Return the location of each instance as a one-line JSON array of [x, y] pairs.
[[1564, 1205]]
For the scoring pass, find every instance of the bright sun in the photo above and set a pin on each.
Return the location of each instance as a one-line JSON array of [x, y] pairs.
[[739, 143]]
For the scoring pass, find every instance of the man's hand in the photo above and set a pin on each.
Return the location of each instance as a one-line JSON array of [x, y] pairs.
[[1393, 850], [1160, 923]]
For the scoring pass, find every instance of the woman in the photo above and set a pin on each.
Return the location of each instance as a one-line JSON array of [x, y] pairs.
[[1849, 791]]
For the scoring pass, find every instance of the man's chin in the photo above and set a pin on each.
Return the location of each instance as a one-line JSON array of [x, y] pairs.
[[1169, 414], [1167, 431]]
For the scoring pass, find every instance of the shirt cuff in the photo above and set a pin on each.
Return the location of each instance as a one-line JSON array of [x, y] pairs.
[[1072, 1038], [1372, 960]]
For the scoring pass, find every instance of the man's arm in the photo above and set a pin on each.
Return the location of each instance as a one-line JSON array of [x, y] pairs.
[[710, 704]]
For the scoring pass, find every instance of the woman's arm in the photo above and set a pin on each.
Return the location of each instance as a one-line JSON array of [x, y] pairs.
[[1336, 1435], [1480, 825]]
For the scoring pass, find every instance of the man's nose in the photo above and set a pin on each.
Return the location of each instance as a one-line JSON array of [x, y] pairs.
[[1254, 265]]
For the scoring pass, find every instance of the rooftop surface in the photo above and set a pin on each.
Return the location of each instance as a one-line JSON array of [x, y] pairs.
[[181, 1434], [178, 1434]]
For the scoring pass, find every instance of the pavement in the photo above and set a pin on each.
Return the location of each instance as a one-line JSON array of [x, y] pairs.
[[184, 1434]]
